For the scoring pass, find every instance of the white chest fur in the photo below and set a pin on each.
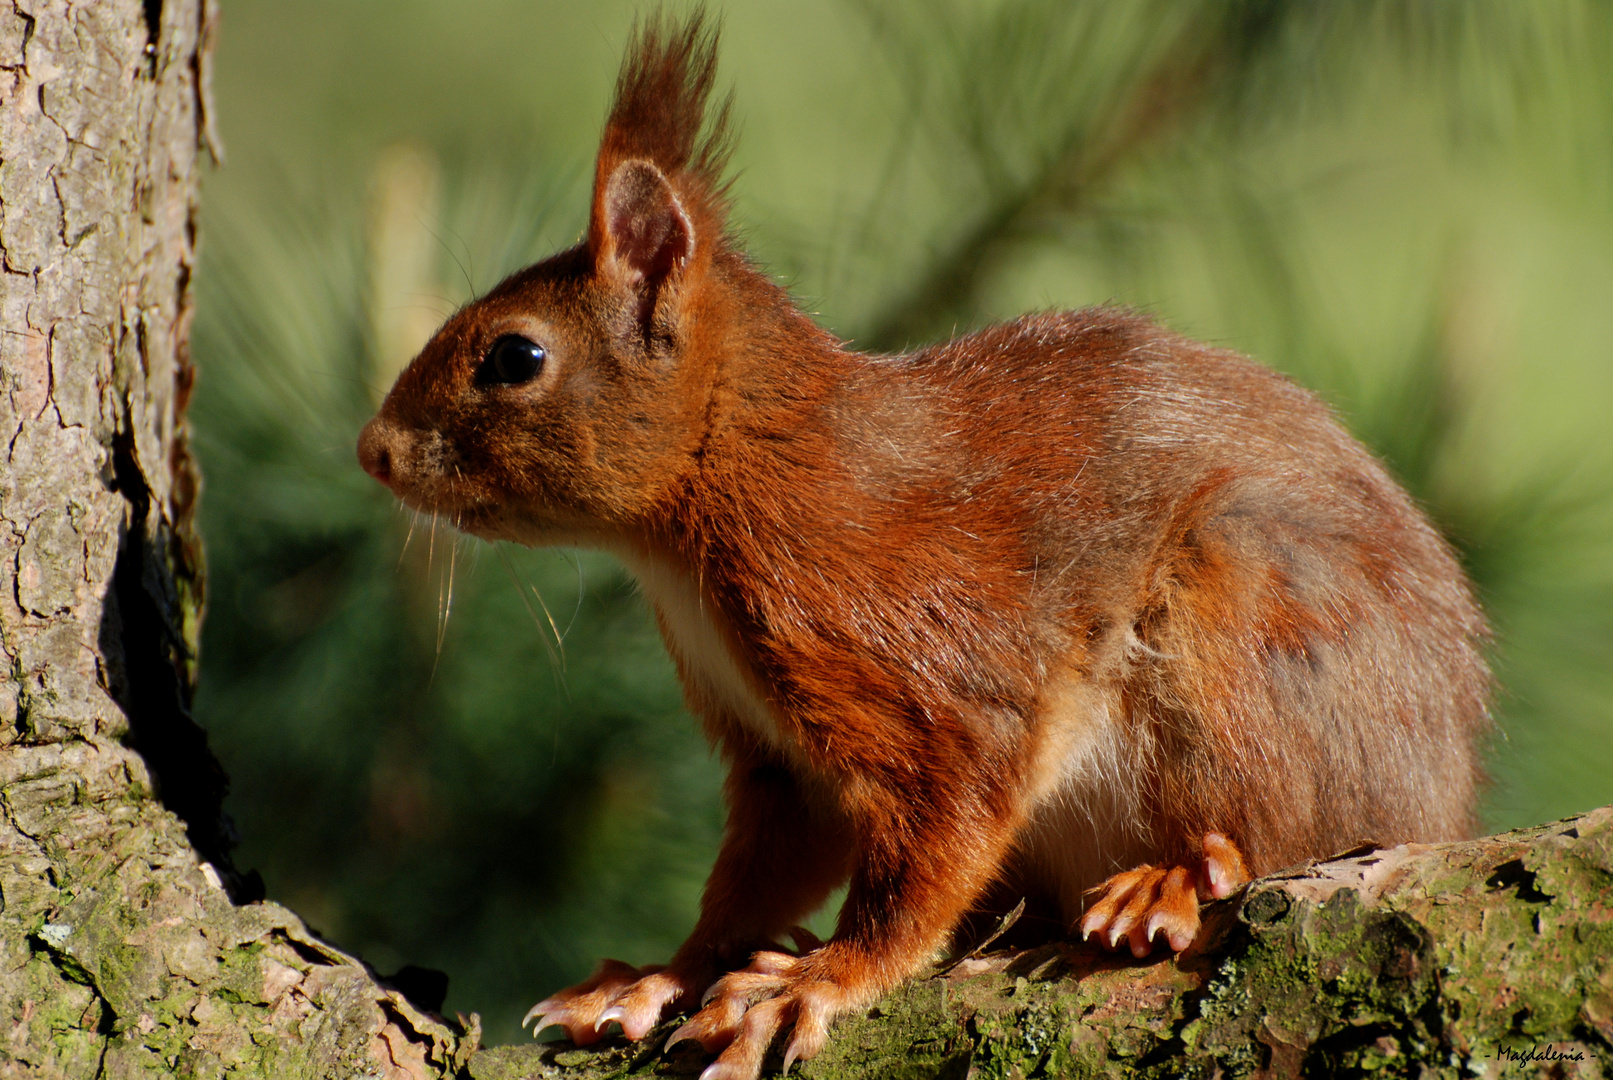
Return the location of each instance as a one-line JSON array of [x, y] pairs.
[[698, 645]]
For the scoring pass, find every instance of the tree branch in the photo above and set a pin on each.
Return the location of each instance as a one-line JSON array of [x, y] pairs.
[[1434, 960]]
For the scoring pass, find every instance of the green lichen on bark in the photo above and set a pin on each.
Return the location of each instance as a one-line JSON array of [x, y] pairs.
[[137, 963], [1445, 960]]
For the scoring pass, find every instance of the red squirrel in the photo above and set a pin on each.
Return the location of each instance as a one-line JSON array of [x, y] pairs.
[[1071, 608]]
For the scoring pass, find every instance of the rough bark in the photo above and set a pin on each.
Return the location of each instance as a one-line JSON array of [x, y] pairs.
[[1454, 960], [122, 949]]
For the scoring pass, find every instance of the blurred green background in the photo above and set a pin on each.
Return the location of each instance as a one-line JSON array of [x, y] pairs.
[[476, 759]]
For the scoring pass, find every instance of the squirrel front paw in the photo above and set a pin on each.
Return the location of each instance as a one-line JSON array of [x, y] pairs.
[[1140, 904], [745, 1010], [633, 997]]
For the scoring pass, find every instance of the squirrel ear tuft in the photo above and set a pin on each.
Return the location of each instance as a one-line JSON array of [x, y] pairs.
[[642, 231]]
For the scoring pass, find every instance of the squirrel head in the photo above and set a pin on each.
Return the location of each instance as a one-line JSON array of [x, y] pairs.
[[573, 396]]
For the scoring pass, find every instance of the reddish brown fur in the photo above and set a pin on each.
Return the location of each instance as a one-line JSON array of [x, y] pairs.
[[1017, 612]]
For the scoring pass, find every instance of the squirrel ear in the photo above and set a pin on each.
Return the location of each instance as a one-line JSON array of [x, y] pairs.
[[641, 229]]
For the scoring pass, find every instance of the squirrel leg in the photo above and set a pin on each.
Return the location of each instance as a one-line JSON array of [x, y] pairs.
[[780, 858], [912, 883], [1140, 904]]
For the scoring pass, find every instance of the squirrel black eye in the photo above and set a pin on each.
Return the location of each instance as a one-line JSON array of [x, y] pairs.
[[512, 359]]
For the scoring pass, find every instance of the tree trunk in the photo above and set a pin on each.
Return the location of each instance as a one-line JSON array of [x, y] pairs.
[[123, 951]]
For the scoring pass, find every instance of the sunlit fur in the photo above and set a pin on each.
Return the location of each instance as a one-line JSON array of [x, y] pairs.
[[1003, 616]]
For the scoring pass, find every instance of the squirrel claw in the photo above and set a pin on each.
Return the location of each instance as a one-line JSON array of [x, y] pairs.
[[632, 997], [750, 1008], [1140, 905]]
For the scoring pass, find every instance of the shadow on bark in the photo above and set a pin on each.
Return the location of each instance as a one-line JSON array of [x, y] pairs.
[[147, 656]]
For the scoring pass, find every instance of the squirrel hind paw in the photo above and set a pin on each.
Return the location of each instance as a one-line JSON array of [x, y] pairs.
[[1137, 906], [1142, 906]]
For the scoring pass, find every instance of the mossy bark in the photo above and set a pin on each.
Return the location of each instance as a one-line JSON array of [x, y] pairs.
[[1487, 958]]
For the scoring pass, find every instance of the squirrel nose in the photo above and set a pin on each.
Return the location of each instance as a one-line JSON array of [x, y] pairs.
[[375, 449]]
